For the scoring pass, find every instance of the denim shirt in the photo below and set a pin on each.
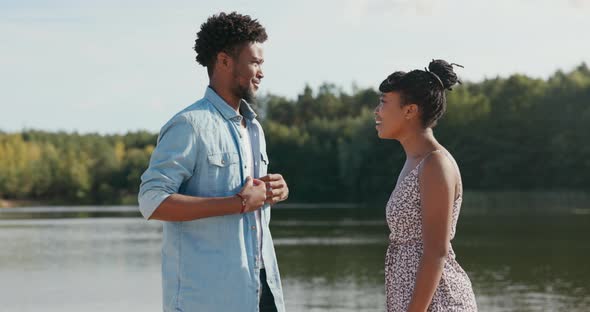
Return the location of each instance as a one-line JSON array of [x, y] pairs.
[[210, 264]]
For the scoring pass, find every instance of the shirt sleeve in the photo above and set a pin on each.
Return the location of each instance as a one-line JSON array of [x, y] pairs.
[[172, 162]]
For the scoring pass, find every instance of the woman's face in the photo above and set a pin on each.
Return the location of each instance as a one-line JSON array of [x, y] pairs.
[[390, 116]]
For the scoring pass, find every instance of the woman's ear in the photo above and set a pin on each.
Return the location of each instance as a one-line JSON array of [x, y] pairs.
[[410, 111]]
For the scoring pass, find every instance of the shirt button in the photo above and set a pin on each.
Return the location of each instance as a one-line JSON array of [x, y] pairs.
[[254, 227], [223, 161]]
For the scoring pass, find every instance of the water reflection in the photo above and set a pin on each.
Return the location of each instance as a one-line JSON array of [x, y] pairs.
[[330, 260]]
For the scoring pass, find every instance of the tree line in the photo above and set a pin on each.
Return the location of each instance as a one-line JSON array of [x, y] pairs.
[[514, 133]]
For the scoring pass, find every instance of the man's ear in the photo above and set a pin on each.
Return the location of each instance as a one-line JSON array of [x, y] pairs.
[[224, 61]]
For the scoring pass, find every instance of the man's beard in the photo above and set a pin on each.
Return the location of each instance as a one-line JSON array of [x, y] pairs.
[[244, 93]]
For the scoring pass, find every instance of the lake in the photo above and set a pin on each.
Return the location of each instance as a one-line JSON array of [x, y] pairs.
[[330, 259]]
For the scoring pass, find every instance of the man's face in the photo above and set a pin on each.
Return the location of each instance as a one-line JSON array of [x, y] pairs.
[[247, 71]]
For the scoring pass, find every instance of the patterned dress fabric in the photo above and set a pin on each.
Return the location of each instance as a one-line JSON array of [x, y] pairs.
[[404, 218]]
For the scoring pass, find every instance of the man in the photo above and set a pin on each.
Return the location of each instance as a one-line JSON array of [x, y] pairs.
[[207, 179]]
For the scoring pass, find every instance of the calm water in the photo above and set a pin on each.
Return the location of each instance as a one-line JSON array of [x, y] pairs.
[[330, 259]]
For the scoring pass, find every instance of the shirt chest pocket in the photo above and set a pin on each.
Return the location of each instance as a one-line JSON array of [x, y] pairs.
[[223, 173]]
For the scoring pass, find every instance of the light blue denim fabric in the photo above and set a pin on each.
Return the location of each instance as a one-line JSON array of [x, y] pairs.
[[210, 264]]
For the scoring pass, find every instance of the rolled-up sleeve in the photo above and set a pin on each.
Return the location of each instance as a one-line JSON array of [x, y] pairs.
[[172, 162]]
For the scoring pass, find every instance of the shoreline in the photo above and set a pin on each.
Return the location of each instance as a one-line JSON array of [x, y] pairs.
[[15, 203], [477, 200]]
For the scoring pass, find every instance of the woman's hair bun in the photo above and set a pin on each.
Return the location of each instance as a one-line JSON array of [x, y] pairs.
[[445, 72]]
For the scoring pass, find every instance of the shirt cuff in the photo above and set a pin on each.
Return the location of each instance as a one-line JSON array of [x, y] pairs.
[[149, 201]]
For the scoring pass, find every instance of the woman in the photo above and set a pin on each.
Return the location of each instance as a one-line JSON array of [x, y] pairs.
[[421, 273]]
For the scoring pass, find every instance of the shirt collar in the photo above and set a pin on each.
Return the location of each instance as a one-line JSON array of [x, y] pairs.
[[225, 109]]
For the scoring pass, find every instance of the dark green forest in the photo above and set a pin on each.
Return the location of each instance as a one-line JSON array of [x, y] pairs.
[[515, 133]]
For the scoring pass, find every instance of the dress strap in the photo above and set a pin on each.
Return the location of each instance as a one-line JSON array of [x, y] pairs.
[[460, 193], [426, 157]]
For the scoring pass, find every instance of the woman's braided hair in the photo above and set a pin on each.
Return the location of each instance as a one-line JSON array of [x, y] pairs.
[[425, 88]]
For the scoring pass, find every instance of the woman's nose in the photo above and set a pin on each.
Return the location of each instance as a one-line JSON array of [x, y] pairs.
[[376, 111]]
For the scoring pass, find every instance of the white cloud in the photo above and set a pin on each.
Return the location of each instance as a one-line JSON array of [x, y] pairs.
[[580, 3], [359, 10]]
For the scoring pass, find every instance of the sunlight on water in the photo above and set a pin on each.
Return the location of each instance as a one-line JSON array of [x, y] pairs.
[[330, 260]]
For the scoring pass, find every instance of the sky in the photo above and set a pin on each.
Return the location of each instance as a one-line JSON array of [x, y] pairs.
[[114, 66]]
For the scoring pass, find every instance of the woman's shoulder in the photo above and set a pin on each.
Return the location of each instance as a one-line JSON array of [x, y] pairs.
[[438, 165]]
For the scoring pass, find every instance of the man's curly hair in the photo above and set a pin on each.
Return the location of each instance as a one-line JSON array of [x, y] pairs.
[[226, 33]]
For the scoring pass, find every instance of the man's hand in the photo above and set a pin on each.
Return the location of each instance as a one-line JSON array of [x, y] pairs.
[[254, 194], [276, 188]]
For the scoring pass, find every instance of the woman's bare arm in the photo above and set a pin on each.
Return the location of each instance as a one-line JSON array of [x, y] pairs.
[[437, 190]]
